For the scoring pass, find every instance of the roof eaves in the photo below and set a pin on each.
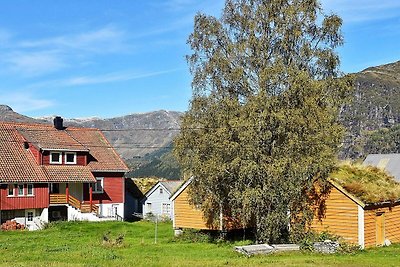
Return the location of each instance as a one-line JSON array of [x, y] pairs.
[[349, 195], [181, 188]]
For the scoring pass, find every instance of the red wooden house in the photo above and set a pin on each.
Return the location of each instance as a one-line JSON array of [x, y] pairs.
[[50, 173]]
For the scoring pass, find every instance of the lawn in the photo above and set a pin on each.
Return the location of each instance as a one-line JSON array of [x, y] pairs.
[[81, 244]]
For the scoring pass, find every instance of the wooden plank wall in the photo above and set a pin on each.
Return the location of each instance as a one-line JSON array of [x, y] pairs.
[[341, 217], [392, 225], [187, 216], [40, 199]]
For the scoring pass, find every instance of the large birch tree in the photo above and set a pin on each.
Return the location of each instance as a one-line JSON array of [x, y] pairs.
[[262, 127]]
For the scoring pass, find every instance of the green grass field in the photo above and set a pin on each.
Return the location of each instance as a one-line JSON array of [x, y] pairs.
[[81, 244]]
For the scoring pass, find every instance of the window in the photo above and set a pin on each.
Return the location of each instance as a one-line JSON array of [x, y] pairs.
[[148, 207], [20, 190], [166, 208], [161, 190], [29, 189], [30, 216], [55, 158], [11, 190], [70, 158], [98, 186]]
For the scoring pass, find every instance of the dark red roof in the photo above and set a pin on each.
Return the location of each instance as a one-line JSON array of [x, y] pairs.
[[17, 164]]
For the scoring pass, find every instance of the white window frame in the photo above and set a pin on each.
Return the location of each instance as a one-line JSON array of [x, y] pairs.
[[161, 190], [59, 159], [95, 189], [69, 153], [19, 187], [166, 208], [149, 207], [27, 190], [13, 190]]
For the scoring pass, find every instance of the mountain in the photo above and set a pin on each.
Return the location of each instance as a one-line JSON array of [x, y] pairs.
[[375, 105]]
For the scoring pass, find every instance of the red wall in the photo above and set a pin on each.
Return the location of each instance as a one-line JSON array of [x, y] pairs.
[[35, 153], [113, 187], [39, 200], [80, 158]]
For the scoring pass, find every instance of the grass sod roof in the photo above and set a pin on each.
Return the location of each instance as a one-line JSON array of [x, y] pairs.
[[367, 183]]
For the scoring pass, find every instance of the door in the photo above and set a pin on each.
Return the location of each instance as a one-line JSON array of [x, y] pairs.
[[29, 216], [380, 228], [54, 188]]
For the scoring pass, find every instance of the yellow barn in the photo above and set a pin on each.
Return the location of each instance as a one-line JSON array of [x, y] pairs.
[[363, 207]]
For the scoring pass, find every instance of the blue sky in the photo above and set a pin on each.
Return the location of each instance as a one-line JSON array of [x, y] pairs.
[[111, 58]]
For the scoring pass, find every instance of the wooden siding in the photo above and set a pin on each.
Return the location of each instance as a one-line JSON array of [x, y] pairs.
[[80, 158], [391, 224], [113, 189], [187, 216], [341, 217], [40, 199]]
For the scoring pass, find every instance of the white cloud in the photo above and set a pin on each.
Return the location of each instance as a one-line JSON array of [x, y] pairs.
[[98, 79], [34, 63], [24, 101], [104, 40]]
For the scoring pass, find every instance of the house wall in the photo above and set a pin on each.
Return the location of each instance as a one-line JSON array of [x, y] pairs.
[[341, 217], [157, 199], [186, 215], [113, 189], [391, 224], [40, 199]]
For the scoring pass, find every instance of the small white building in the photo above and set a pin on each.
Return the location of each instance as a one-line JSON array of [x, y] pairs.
[[156, 201]]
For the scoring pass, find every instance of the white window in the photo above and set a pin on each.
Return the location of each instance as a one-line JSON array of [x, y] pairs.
[[98, 186], [166, 208], [55, 158], [29, 189], [70, 158], [29, 216], [11, 190], [20, 190], [161, 190], [148, 207]]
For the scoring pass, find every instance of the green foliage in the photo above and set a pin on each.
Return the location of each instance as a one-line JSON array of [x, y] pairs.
[[369, 184], [262, 127], [194, 236]]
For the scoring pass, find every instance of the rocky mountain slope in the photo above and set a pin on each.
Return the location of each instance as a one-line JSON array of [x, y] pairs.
[[375, 105]]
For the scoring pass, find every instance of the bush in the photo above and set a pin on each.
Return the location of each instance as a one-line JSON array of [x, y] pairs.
[[194, 236]]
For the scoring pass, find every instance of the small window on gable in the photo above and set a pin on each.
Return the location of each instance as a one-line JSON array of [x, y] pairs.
[[98, 186], [70, 158], [20, 190], [29, 189], [11, 190], [55, 158], [161, 190]]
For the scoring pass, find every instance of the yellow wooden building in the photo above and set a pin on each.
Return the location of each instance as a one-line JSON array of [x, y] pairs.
[[363, 207], [354, 215], [185, 214]]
